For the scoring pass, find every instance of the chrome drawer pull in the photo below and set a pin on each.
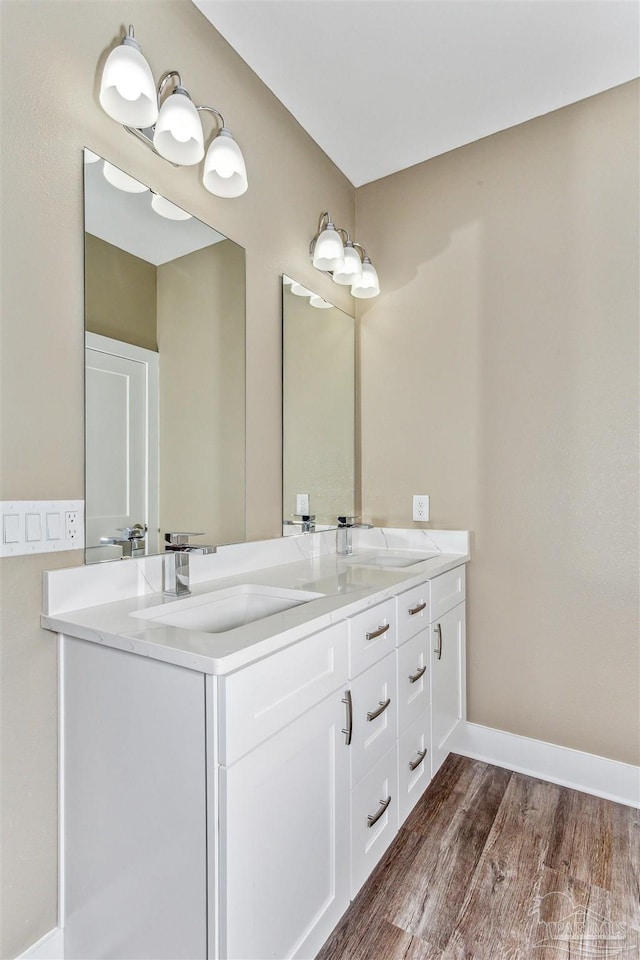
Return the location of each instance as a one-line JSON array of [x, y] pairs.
[[381, 709], [438, 649], [414, 764], [349, 731], [418, 609], [379, 631], [414, 677], [371, 820]]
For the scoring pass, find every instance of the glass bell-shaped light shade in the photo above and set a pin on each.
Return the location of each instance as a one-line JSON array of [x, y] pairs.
[[225, 172], [368, 284], [118, 178], [165, 208], [351, 270], [299, 291], [178, 135], [319, 302], [127, 89], [328, 253]]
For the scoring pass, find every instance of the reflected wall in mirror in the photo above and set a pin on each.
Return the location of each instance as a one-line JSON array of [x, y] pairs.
[[318, 407], [164, 371]]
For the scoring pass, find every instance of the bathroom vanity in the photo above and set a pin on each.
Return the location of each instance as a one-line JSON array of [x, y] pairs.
[[236, 763]]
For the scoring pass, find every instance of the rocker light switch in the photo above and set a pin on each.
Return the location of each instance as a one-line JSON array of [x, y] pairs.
[[11, 532], [33, 527], [53, 526]]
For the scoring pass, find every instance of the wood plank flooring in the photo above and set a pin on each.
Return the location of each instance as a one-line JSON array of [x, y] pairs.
[[493, 865]]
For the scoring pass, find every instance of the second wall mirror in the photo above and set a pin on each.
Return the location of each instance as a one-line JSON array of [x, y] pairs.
[[164, 370], [319, 408]]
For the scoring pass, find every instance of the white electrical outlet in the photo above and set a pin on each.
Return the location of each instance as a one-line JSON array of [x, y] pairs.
[[71, 526], [302, 504], [421, 507]]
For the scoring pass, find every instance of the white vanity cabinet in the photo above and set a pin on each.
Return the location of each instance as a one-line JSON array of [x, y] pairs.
[[233, 817]]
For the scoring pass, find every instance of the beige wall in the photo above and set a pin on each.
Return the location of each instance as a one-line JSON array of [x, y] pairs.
[[504, 346], [319, 405], [500, 375], [201, 341], [51, 54], [120, 294]]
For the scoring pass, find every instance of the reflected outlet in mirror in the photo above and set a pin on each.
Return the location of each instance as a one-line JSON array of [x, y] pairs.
[[164, 371]]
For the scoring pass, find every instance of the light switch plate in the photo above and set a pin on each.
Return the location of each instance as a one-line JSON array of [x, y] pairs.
[[41, 526]]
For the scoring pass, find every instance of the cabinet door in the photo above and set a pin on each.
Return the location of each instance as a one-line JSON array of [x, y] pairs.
[[447, 680], [284, 827]]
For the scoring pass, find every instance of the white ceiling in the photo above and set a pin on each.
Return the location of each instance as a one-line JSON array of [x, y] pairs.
[[383, 84]]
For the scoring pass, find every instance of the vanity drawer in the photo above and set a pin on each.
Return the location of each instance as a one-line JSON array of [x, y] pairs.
[[414, 765], [413, 679], [413, 612], [374, 817], [261, 699], [372, 635], [447, 591], [375, 721]]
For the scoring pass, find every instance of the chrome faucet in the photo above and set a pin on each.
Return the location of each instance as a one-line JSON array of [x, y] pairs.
[[132, 540], [307, 521], [344, 545], [175, 565]]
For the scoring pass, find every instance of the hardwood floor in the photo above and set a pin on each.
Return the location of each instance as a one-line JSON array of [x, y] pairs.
[[493, 865]]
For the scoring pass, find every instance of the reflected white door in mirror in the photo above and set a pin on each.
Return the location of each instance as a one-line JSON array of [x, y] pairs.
[[121, 417]]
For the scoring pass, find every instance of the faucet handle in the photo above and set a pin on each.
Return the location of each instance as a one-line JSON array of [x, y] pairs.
[[179, 539], [344, 521], [304, 516]]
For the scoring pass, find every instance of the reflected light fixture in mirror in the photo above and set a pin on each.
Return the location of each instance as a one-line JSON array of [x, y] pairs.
[[318, 408], [170, 124], [334, 252], [164, 372]]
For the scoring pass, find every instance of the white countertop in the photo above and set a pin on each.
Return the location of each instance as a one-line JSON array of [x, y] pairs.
[[347, 587]]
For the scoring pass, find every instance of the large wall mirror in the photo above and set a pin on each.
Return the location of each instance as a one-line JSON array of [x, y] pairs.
[[318, 407], [165, 371]]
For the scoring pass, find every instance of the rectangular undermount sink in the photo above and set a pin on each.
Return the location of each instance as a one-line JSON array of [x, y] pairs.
[[226, 609], [385, 560]]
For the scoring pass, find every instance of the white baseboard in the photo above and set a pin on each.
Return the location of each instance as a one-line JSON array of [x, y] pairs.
[[49, 947], [547, 761]]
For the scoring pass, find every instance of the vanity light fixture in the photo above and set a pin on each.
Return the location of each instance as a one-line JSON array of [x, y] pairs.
[[333, 251], [167, 120]]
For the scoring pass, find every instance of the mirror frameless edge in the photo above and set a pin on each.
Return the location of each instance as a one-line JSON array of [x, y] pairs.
[[319, 396], [164, 371]]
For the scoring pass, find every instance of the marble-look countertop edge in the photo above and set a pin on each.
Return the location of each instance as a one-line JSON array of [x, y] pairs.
[[110, 624]]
